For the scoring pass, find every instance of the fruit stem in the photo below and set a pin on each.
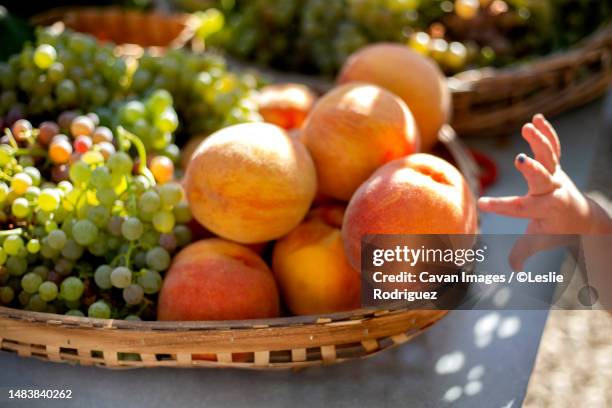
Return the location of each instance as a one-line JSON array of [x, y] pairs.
[[14, 231], [140, 149]]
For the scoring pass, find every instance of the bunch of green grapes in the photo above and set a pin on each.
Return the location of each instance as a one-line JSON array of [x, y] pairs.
[[62, 70], [207, 94], [96, 239], [67, 70]]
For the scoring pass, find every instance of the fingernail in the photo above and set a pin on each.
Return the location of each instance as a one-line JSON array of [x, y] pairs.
[[521, 158]]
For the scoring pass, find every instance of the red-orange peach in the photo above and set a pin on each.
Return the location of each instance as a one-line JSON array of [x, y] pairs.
[[214, 279], [411, 76], [250, 183], [285, 105], [419, 194], [353, 130], [311, 268]]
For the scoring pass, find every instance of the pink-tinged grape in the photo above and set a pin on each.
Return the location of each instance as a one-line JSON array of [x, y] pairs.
[[20, 208], [182, 234], [60, 173], [34, 174], [167, 121], [107, 149], [120, 163], [75, 312], [149, 202], [22, 129], [71, 288], [94, 118], [102, 277], [163, 221], [80, 173], [168, 242], [151, 282], [121, 277], [99, 310], [82, 144], [64, 266], [48, 291], [16, 266], [7, 294], [114, 225], [133, 111], [12, 244], [46, 132], [36, 304], [44, 56], [65, 119], [170, 194], [49, 200], [132, 229], [133, 294], [33, 246], [84, 232], [162, 169], [82, 126], [158, 259], [20, 183], [60, 151], [57, 239], [102, 134], [30, 282]]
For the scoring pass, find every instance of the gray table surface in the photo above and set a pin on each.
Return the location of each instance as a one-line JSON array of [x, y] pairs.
[[470, 358]]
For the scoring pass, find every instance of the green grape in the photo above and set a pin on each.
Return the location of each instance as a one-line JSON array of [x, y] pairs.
[[49, 200], [151, 282], [121, 277], [75, 312], [133, 111], [20, 207], [71, 288], [98, 248], [133, 294], [163, 221], [132, 228], [33, 246], [66, 92], [30, 282], [80, 173], [42, 271], [4, 190], [120, 163], [36, 304], [149, 202], [170, 194], [44, 56], [182, 234], [20, 183], [48, 291], [12, 244], [84, 232], [102, 277], [34, 174], [99, 310], [132, 318], [167, 121], [72, 250], [101, 178], [106, 196], [3, 256], [32, 193], [7, 294], [99, 215], [158, 259], [16, 266], [63, 266], [57, 239], [159, 101]]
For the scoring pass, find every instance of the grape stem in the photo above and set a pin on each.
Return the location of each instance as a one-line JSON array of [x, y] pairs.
[[14, 231], [123, 134]]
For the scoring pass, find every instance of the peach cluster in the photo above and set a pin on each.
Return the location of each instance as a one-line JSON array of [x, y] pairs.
[[282, 215]]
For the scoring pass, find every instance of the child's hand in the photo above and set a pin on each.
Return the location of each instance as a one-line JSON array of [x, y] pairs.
[[553, 203]]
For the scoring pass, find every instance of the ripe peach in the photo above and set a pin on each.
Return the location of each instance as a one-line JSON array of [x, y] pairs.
[[311, 268], [250, 183], [418, 194], [353, 130], [285, 105], [214, 279], [411, 76]]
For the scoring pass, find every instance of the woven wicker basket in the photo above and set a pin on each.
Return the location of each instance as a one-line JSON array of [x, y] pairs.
[[291, 342]]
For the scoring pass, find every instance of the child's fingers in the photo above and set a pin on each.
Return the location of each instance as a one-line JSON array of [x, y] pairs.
[[538, 178], [541, 147], [520, 207], [549, 131], [531, 243]]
